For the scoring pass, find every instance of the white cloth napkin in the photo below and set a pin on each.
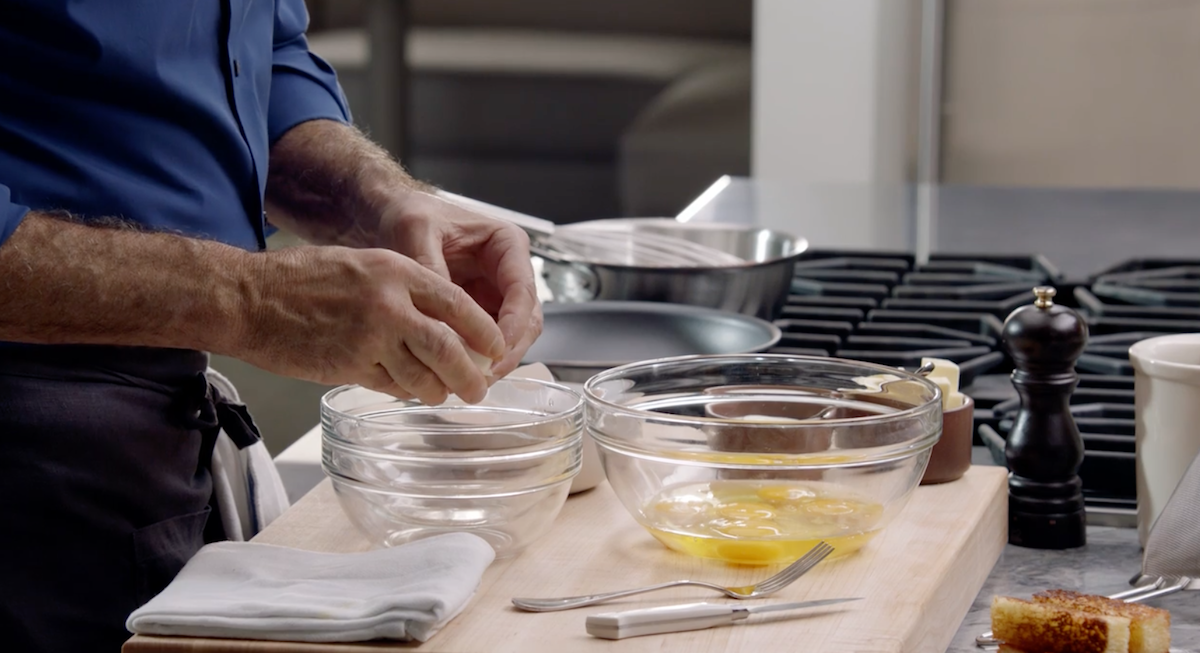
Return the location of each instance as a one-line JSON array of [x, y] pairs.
[[245, 590], [249, 491]]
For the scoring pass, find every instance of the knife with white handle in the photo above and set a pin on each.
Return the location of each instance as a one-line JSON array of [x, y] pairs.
[[678, 618]]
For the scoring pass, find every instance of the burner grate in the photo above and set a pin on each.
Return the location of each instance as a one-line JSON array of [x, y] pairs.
[[884, 307]]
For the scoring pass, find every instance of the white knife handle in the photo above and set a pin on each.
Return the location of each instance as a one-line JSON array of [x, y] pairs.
[[665, 619]]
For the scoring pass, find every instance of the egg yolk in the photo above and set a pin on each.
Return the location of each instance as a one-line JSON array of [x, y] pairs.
[[760, 522]]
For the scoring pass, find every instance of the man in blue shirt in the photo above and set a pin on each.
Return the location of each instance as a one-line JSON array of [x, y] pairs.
[[143, 148]]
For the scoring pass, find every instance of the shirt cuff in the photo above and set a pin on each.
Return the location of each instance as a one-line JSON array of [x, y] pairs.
[[11, 214], [303, 88]]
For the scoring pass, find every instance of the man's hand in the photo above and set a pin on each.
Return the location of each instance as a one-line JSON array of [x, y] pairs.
[[331, 185], [488, 258], [367, 316]]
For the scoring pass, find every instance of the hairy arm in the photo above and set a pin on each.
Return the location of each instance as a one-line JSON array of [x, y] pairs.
[[66, 282], [326, 314], [330, 185]]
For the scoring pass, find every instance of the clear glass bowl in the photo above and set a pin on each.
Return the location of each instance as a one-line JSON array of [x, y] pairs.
[[753, 459], [499, 469]]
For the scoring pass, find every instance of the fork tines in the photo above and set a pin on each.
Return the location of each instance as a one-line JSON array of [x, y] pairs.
[[797, 568]]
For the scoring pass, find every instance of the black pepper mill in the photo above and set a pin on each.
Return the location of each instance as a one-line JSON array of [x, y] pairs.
[[1045, 497]]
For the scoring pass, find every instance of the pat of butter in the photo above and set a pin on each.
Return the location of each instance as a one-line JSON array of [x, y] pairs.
[[947, 391], [945, 369]]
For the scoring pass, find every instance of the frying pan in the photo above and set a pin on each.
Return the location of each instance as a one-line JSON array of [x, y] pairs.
[[580, 340], [758, 286]]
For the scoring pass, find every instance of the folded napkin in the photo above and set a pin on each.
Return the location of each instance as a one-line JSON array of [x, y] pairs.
[[245, 590]]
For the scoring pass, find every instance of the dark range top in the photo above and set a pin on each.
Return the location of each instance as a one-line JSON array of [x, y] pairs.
[[885, 308]]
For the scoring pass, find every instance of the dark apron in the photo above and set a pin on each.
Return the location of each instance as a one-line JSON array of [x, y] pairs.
[[105, 489]]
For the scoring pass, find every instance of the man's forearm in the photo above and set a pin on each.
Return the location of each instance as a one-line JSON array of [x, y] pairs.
[[65, 282], [326, 182]]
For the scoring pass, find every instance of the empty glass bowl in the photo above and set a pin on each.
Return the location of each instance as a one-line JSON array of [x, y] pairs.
[[499, 469], [754, 458]]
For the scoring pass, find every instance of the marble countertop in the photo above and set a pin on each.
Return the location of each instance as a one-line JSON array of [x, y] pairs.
[[1104, 566]]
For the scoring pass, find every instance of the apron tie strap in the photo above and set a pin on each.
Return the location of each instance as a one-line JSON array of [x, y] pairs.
[[219, 413]]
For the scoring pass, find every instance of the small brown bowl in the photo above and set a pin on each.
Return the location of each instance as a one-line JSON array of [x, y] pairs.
[[951, 457]]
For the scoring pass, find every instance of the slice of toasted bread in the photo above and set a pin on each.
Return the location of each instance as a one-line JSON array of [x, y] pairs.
[[1149, 628], [1040, 628]]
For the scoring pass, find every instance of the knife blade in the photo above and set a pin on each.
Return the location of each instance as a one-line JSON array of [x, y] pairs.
[[689, 616]]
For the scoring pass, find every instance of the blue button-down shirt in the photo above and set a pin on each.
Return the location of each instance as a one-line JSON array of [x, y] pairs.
[[159, 112]]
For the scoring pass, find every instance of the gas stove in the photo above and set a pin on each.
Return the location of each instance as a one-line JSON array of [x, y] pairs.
[[886, 308]]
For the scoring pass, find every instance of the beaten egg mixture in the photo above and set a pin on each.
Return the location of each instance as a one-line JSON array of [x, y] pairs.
[[759, 522]]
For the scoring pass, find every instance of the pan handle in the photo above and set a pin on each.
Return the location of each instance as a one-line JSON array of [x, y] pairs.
[[569, 281], [536, 227], [548, 253]]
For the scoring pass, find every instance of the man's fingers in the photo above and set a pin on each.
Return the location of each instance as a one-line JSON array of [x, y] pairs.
[[449, 303], [379, 380], [439, 349], [520, 318], [520, 314], [409, 373], [506, 256], [527, 335]]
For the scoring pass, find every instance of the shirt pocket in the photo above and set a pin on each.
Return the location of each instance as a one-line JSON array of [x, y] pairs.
[[160, 550]]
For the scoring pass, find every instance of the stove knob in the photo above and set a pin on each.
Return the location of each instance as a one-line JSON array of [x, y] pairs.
[[1044, 449]]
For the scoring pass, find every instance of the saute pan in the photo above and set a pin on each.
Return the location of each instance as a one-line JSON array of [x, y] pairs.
[[580, 340], [757, 286]]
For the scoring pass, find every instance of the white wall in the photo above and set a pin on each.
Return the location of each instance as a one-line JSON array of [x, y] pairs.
[[834, 107], [1073, 93]]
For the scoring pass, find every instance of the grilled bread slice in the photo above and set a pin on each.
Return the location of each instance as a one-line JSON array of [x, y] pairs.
[[1149, 628], [1041, 627]]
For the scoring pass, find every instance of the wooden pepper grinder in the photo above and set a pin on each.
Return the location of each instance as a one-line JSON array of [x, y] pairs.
[[1044, 451]]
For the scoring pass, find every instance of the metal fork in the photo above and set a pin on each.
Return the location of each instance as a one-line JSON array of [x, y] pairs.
[[763, 588], [1135, 595]]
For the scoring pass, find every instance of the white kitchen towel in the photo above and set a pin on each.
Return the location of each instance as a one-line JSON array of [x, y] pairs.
[[245, 590], [246, 484]]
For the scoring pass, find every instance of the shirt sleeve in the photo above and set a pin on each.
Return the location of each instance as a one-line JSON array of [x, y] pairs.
[[11, 214], [303, 86]]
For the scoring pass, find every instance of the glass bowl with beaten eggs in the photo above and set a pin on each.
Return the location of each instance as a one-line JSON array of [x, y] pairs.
[[753, 459]]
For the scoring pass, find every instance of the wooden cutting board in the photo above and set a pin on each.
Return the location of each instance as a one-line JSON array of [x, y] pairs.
[[919, 577]]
